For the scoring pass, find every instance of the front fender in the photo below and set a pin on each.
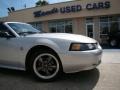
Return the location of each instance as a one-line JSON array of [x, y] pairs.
[[49, 43]]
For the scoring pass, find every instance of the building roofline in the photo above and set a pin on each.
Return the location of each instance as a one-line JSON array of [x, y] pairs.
[[44, 6]]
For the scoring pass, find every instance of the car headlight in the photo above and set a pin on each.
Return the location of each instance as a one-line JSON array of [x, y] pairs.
[[82, 46]]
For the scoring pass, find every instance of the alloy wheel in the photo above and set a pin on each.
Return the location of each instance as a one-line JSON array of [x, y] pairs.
[[46, 66]]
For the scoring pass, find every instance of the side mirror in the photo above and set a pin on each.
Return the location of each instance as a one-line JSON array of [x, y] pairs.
[[5, 35]]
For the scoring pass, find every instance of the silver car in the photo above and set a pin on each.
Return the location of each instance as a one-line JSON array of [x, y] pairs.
[[46, 55]]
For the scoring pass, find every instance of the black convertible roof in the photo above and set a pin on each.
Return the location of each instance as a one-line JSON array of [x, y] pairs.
[[1, 22]]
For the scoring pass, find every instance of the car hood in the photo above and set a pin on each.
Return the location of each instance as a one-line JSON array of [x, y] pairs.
[[65, 36]]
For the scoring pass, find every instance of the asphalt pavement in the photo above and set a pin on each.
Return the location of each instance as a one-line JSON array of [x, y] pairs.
[[105, 77]]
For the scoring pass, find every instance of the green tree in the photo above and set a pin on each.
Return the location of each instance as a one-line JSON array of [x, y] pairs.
[[41, 3]]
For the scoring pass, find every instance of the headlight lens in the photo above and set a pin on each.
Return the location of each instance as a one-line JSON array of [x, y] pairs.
[[82, 46], [75, 47]]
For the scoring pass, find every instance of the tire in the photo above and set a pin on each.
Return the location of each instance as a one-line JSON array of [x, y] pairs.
[[45, 65], [113, 43]]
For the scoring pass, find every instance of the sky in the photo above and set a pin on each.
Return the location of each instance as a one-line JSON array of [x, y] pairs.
[[20, 4]]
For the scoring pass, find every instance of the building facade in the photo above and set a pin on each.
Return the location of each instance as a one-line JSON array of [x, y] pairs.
[[93, 18]]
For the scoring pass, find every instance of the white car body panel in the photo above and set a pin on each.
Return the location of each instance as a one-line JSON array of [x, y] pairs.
[[13, 51]]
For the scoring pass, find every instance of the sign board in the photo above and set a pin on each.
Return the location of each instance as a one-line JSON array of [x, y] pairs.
[[73, 8]]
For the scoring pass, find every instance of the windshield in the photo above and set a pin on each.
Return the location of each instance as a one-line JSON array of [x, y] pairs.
[[23, 29]]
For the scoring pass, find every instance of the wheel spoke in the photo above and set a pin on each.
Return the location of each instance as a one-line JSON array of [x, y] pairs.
[[49, 59], [40, 60], [47, 72], [50, 69], [39, 68], [53, 67]]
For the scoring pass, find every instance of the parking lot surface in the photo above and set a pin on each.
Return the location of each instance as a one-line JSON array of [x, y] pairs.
[[104, 77]]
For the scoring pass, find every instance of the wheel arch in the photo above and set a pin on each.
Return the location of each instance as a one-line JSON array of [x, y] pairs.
[[38, 48]]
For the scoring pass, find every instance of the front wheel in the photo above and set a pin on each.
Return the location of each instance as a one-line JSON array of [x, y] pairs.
[[45, 65]]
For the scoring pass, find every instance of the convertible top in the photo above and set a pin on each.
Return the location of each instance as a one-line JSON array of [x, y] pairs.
[[1, 22]]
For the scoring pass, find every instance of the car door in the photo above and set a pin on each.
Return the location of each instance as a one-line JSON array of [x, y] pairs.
[[9, 48]]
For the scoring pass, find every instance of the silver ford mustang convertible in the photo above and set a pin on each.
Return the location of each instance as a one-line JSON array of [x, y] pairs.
[[46, 55]]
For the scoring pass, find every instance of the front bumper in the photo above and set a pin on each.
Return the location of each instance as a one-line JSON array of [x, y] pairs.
[[75, 61]]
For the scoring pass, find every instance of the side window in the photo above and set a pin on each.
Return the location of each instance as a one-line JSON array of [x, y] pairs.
[[5, 29]]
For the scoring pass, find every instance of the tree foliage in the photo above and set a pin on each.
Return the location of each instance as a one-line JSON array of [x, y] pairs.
[[41, 3]]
